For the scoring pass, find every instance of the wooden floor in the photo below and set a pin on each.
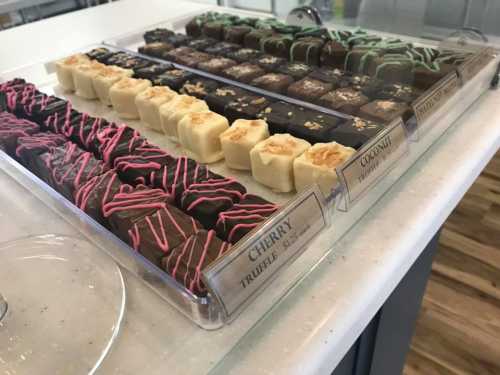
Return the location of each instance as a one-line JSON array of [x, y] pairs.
[[458, 330]]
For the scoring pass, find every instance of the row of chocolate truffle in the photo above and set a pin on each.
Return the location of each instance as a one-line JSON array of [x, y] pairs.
[[390, 59], [208, 136], [142, 216]]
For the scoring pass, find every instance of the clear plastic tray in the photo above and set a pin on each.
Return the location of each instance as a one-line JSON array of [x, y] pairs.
[[205, 311]]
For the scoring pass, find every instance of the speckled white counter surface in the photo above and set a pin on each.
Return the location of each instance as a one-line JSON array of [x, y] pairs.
[[314, 326]]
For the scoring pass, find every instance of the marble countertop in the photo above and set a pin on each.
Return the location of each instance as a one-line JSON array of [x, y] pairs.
[[314, 326]]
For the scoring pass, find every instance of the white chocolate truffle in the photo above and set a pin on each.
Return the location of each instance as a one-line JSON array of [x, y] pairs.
[[83, 75], [149, 102], [65, 68], [239, 139], [174, 110], [272, 161], [107, 77], [123, 93], [318, 163], [199, 133]]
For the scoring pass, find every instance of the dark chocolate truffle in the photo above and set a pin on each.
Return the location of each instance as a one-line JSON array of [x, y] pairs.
[[274, 82]]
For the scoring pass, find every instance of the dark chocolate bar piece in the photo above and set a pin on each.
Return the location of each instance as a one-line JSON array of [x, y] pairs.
[[384, 111], [346, 100], [356, 132], [199, 87], [216, 65], [278, 115], [245, 72], [274, 82], [174, 78], [309, 89], [313, 126], [221, 97], [245, 107]]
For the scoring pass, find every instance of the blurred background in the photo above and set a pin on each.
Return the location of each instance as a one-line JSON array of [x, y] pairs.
[[412, 17]]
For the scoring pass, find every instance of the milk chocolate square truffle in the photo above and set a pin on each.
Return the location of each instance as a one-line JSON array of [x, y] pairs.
[[277, 45], [346, 100], [214, 29], [174, 78], [205, 200], [243, 217], [239, 139], [199, 87], [333, 54], [152, 71], [199, 133], [309, 89], [148, 104], [244, 54], [278, 116], [174, 110], [222, 96], [296, 70], [83, 76], [186, 261], [274, 82], [356, 132], [65, 69], [156, 49], [193, 59], [216, 65], [270, 63], [236, 34], [253, 38], [245, 107], [307, 50], [107, 77], [272, 161], [313, 126], [317, 165], [122, 95], [222, 49], [245, 72], [384, 111], [155, 236]]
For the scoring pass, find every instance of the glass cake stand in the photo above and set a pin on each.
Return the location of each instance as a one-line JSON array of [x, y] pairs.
[[62, 306]]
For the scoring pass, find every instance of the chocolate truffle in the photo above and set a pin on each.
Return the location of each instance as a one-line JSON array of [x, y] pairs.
[[277, 45], [345, 100], [100, 54], [193, 59], [239, 139], [274, 82], [270, 63], [313, 126], [83, 75], [148, 104], [222, 49], [236, 34], [136, 167], [155, 236], [130, 205], [333, 54], [12, 128], [157, 35], [253, 38], [107, 77], [278, 116], [272, 161], [247, 106], [178, 40], [32, 146], [384, 111], [186, 262], [199, 87], [243, 217], [214, 29], [244, 54], [329, 75], [245, 72], [317, 165], [222, 96], [205, 200], [176, 53], [177, 177], [392, 69], [156, 49], [117, 141], [309, 89], [200, 44], [65, 68], [174, 110], [399, 92], [306, 50], [122, 95], [199, 134], [296, 70], [174, 78], [216, 65], [96, 192], [152, 71], [356, 132]]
